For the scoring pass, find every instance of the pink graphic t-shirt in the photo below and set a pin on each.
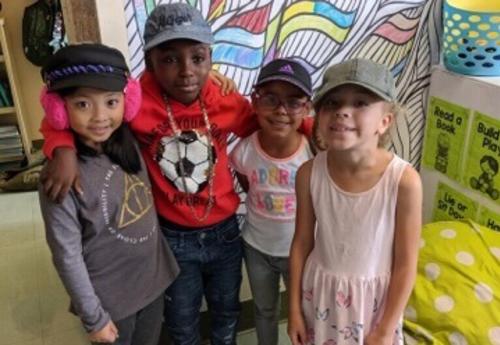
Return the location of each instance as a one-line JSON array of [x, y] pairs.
[[270, 203]]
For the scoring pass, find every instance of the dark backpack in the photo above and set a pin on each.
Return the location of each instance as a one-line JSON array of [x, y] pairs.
[[41, 22]]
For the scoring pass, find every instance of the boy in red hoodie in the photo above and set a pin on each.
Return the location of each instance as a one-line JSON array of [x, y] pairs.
[[182, 128]]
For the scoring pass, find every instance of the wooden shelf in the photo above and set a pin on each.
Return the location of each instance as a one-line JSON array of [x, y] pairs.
[[13, 115], [7, 110]]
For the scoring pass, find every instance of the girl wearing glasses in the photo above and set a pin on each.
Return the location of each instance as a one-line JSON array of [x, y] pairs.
[[266, 165]]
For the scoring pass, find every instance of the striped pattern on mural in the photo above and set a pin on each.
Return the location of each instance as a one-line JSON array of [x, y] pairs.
[[404, 34]]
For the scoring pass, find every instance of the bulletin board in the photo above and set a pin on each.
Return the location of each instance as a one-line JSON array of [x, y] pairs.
[[461, 154]]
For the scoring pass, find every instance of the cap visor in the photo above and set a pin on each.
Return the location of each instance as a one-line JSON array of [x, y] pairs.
[[96, 81], [178, 35], [330, 86], [288, 80]]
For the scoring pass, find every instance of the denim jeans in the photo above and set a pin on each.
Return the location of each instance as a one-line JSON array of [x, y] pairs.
[[264, 272], [141, 328], [210, 261]]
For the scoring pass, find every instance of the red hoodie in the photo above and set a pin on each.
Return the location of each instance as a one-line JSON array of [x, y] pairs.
[[152, 129]]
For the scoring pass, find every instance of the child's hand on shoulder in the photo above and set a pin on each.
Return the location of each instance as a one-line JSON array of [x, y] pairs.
[[60, 174], [379, 337], [227, 85], [108, 334]]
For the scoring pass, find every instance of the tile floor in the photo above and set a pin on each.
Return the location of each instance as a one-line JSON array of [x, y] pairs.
[[33, 303], [249, 338]]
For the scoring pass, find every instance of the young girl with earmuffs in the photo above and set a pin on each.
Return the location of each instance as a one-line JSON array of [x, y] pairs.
[[106, 243]]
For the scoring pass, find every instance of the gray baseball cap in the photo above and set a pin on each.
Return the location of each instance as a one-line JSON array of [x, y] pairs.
[[176, 21], [366, 73]]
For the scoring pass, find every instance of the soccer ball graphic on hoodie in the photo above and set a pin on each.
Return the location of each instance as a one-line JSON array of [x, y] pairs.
[[194, 158]]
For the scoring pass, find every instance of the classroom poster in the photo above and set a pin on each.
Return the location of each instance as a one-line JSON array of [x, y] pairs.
[[450, 204], [445, 135], [489, 219], [483, 157], [474, 194]]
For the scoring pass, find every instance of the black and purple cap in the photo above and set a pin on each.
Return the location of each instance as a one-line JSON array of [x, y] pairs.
[[287, 70], [86, 65]]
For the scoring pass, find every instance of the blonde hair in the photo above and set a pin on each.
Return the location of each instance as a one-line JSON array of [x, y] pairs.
[[396, 108]]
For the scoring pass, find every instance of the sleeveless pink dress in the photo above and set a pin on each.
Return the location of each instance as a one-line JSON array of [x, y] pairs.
[[347, 274]]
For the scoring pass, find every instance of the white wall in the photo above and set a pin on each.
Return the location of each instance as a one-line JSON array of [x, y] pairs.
[[112, 26]]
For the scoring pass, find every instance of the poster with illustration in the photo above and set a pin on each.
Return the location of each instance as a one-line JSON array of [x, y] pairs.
[[489, 219], [450, 204], [481, 172], [445, 135]]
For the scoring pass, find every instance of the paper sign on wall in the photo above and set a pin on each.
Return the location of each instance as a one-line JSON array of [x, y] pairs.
[[489, 219], [481, 172], [450, 204], [445, 135]]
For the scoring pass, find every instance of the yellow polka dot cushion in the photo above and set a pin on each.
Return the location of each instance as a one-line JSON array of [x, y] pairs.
[[456, 298]]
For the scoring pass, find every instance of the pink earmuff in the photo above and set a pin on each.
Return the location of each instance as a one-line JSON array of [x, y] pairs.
[[54, 108], [57, 116], [133, 99]]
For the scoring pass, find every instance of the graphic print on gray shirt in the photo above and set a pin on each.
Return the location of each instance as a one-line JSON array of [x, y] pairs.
[[106, 244]]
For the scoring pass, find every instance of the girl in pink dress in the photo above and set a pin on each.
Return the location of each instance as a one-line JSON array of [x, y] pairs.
[[354, 254]]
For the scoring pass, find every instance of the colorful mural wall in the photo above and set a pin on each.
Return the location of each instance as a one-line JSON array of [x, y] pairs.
[[404, 34]]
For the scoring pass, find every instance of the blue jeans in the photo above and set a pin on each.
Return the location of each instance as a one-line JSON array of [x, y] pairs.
[[210, 261]]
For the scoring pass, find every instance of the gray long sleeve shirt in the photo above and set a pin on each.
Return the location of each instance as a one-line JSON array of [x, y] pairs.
[[106, 244]]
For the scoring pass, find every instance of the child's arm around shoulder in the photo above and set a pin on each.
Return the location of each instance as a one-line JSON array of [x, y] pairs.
[[244, 122], [61, 171], [302, 245], [54, 139], [406, 246], [306, 126], [226, 84]]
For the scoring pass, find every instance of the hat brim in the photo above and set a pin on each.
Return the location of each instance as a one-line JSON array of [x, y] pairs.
[[97, 81], [178, 35], [334, 84], [288, 80]]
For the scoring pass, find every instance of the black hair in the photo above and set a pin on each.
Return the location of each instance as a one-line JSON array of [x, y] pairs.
[[121, 147]]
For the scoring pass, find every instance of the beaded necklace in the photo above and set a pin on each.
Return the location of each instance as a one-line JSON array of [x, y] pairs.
[[211, 174]]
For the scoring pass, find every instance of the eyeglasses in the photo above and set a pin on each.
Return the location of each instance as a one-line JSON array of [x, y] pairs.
[[293, 106]]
